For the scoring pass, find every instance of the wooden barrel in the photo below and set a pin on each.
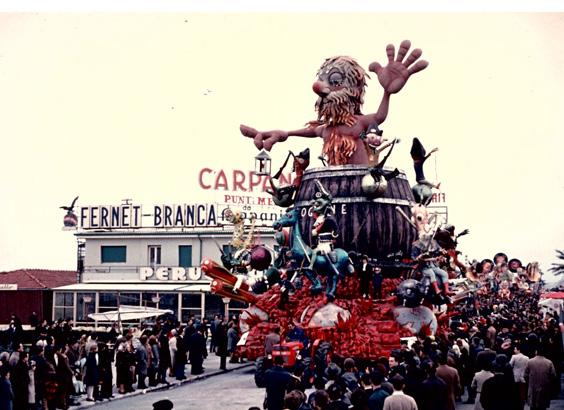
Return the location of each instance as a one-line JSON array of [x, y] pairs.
[[368, 226]]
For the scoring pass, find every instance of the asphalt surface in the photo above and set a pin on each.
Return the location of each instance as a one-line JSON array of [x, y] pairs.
[[234, 390], [216, 389]]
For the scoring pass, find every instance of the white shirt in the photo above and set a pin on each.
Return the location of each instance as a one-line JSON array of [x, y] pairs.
[[519, 364]]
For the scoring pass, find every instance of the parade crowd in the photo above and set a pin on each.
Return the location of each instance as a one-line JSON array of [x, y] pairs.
[[62, 364], [498, 352]]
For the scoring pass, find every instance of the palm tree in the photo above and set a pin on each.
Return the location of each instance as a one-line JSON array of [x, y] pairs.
[[558, 268]]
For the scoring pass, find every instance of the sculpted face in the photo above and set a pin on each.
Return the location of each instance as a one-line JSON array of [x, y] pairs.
[[340, 86], [320, 204], [374, 140]]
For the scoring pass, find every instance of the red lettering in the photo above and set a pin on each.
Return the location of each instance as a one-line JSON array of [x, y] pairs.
[[254, 180], [238, 180], [227, 198], [221, 181], [265, 184], [201, 179], [261, 201]]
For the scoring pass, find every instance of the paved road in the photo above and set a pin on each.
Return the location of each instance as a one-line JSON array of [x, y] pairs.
[[234, 391]]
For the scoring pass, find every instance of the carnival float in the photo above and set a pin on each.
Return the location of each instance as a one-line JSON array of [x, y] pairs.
[[362, 262]]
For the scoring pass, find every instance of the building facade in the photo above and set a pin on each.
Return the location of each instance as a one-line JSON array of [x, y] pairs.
[[157, 268]]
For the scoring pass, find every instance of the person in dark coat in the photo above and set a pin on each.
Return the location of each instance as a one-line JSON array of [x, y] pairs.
[[221, 341], [164, 357], [19, 379], [433, 393], [64, 378], [198, 351], [155, 361], [499, 391], [232, 340], [92, 373], [105, 366], [376, 399], [6, 393], [277, 380], [365, 274], [142, 357], [180, 358], [122, 366], [38, 356]]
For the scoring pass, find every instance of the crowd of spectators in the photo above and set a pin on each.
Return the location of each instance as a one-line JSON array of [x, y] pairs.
[[63, 366], [498, 352]]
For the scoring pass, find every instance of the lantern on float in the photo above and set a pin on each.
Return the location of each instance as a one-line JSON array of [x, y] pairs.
[[262, 163]]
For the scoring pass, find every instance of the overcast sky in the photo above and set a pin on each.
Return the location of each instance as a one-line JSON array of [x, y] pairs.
[[112, 106]]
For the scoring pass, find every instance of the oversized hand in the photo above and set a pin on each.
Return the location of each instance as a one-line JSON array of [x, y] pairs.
[[394, 76], [264, 139]]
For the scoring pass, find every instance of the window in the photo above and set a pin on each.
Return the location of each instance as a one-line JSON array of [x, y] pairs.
[[85, 304], [169, 301], [113, 254], [107, 301], [185, 256], [64, 305], [154, 255], [191, 305], [214, 305]]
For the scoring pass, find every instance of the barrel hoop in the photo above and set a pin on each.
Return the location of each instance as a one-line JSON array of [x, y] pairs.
[[343, 170], [360, 199]]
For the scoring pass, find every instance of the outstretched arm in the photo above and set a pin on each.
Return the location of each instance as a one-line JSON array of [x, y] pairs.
[[267, 139], [429, 154], [386, 145], [394, 76]]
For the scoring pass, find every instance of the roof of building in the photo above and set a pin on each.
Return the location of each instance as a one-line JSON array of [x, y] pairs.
[[38, 278]]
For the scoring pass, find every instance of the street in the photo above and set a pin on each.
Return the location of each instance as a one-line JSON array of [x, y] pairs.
[[235, 390]]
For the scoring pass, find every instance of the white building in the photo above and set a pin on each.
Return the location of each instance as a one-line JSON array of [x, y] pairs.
[[122, 259]]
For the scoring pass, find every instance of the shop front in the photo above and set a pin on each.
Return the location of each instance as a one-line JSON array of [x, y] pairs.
[[77, 301]]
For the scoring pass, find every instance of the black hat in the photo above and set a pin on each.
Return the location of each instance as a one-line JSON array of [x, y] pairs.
[[163, 405], [332, 370], [374, 129]]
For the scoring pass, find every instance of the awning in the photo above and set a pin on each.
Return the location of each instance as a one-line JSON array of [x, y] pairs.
[[134, 287], [126, 312], [204, 287]]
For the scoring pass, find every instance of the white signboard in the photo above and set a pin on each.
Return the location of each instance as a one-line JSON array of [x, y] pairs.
[[163, 273]]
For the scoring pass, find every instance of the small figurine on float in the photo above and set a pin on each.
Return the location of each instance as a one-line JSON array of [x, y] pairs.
[[240, 257], [325, 228], [504, 291], [284, 196], [340, 85], [375, 144], [446, 238], [332, 263], [425, 252], [420, 220], [375, 183], [422, 190]]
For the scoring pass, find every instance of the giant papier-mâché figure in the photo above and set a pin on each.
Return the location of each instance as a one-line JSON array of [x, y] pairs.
[[340, 86]]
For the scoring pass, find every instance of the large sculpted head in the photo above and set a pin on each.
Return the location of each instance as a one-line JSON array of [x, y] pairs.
[[340, 85]]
